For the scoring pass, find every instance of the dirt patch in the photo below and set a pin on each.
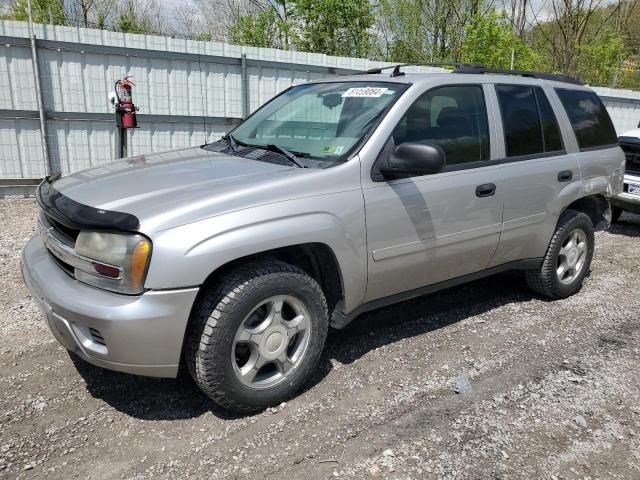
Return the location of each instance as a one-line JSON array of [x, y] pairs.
[[549, 390]]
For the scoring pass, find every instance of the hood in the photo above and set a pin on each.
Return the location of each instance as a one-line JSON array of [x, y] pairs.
[[176, 187]]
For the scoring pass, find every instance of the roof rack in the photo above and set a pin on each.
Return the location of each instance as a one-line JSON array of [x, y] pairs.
[[474, 68], [397, 73], [481, 69]]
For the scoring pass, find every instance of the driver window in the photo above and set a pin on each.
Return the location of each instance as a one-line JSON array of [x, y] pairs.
[[452, 117]]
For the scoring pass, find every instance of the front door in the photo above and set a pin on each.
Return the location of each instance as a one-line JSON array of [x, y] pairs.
[[426, 229]]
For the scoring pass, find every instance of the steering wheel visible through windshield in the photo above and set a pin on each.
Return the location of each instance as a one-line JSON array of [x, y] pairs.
[[323, 121]]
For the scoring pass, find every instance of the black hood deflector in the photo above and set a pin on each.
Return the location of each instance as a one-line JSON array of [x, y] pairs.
[[75, 215]]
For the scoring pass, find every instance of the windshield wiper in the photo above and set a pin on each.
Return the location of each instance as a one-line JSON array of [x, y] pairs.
[[232, 142], [283, 151]]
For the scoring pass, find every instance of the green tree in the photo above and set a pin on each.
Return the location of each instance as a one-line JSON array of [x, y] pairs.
[[333, 27], [43, 11], [264, 28], [402, 31], [599, 61], [491, 41]]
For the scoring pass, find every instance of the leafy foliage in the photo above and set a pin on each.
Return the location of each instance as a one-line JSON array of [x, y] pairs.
[[333, 27], [261, 29], [490, 40], [599, 62], [43, 11]]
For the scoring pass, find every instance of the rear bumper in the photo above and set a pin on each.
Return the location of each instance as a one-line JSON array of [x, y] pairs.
[[141, 334], [625, 200]]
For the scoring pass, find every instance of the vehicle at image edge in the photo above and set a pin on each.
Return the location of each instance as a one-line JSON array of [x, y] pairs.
[[629, 198], [334, 198]]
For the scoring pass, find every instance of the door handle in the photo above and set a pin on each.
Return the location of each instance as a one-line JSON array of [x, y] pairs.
[[485, 190], [565, 176]]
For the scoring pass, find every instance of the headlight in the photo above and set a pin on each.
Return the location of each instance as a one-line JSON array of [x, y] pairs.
[[119, 260]]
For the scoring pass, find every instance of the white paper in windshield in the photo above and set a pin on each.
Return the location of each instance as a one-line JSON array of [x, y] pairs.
[[365, 92]]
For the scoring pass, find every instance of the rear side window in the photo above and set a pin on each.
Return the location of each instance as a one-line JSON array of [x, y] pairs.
[[530, 126], [452, 117], [550, 129], [523, 135], [589, 118]]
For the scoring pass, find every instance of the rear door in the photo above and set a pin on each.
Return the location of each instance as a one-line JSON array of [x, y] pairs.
[[599, 154], [426, 229], [537, 170]]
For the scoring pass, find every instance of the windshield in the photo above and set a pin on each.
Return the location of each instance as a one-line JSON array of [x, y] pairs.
[[324, 121]]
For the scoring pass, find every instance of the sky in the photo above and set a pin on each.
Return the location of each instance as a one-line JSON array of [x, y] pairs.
[[168, 6]]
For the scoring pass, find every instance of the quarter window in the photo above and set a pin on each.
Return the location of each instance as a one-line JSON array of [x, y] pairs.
[[589, 118], [453, 118]]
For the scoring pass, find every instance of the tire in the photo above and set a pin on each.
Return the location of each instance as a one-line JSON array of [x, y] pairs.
[[546, 280], [269, 298], [616, 212]]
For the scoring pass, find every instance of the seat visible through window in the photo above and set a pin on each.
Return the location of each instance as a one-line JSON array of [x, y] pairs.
[[453, 118]]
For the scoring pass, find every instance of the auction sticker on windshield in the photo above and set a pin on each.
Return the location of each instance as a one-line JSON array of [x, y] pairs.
[[364, 92]]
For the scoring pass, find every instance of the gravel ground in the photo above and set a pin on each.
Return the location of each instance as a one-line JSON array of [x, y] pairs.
[[480, 381]]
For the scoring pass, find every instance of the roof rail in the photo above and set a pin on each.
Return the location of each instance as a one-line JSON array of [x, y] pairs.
[[397, 73], [480, 69], [475, 68]]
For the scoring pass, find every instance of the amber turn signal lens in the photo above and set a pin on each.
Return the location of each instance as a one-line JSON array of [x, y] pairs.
[[139, 261]]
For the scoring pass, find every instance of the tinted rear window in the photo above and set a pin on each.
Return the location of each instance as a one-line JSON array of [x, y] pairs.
[[550, 129], [523, 134], [589, 118]]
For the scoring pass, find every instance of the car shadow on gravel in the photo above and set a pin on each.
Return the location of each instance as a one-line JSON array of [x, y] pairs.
[[148, 398], [169, 399], [426, 314], [628, 225]]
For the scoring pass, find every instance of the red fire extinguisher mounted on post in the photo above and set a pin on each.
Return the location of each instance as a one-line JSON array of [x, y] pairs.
[[125, 111]]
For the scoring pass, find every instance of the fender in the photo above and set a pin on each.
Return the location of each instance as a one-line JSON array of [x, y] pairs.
[[188, 254]]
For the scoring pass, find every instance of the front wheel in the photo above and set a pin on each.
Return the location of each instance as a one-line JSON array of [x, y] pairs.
[[568, 257], [257, 336]]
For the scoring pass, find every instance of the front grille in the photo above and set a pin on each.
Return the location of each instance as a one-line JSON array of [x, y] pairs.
[[632, 157], [63, 265], [71, 234], [96, 336]]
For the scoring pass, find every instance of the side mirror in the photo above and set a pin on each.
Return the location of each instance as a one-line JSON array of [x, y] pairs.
[[413, 159]]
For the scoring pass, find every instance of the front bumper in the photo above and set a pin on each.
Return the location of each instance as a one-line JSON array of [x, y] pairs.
[[141, 334], [625, 200]]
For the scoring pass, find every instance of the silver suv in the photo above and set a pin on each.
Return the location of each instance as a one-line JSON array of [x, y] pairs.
[[336, 197]]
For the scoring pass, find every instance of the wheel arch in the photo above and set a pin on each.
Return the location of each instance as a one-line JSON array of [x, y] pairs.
[[316, 259], [596, 207]]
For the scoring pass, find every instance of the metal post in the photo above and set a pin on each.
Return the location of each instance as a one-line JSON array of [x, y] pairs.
[[244, 87], [39, 100], [121, 142]]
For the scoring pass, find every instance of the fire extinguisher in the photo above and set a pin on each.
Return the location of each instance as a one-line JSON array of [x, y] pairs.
[[125, 109]]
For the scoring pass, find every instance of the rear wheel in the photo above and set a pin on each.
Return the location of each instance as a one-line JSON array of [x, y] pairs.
[[568, 258], [257, 336]]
